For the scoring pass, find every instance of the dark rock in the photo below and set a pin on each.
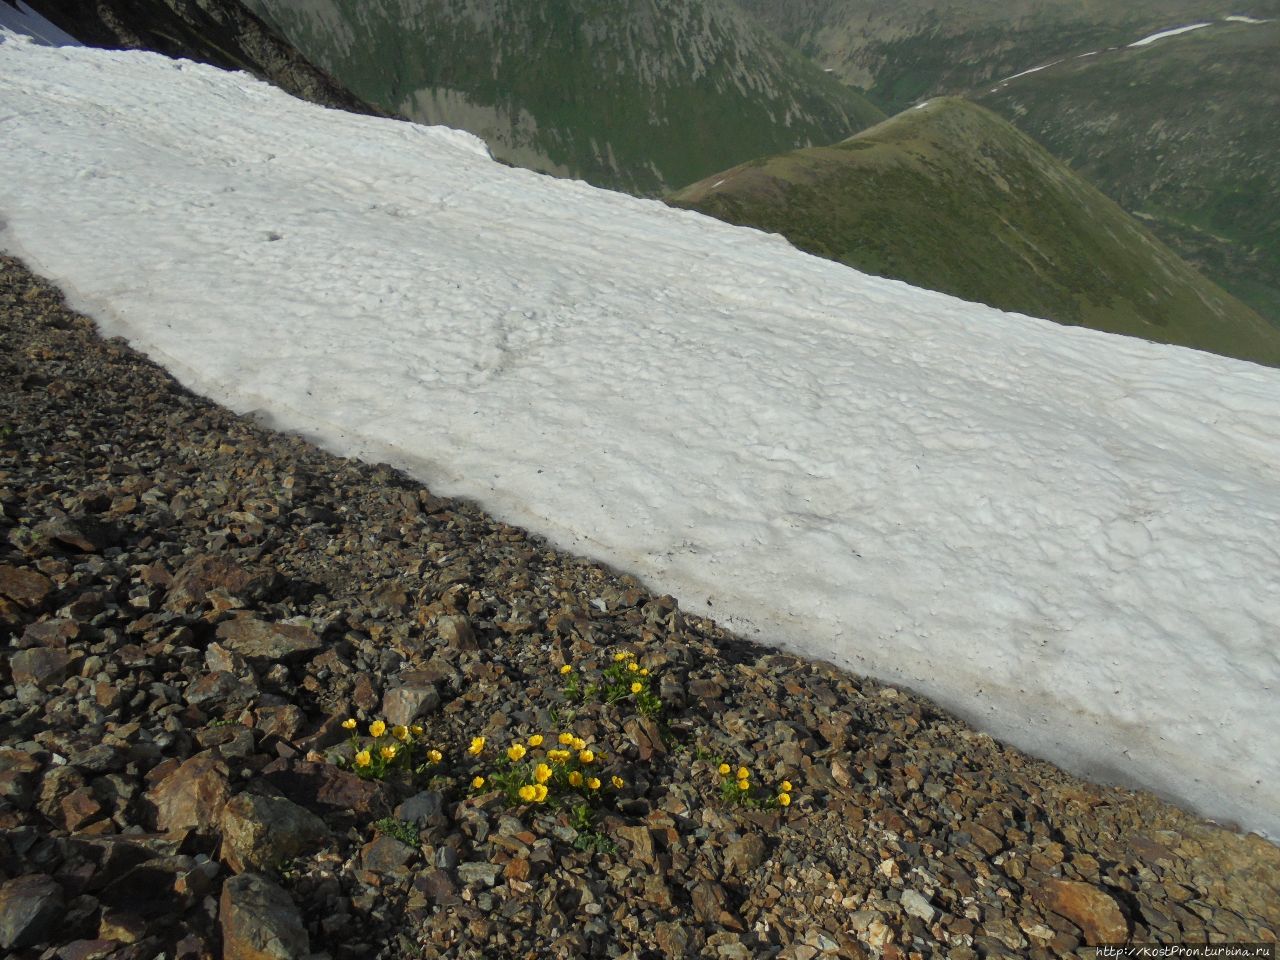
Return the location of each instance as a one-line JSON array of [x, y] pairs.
[[260, 921], [325, 789], [30, 907]]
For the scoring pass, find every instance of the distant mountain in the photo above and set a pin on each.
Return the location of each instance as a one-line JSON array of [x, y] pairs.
[[950, 197], [638, 95], [223, 33], [903, 50], [1180, 131], [1184, 132]]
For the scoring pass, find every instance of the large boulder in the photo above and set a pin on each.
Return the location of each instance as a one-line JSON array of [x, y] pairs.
[[260, 833], [260, 921], [29, 910]]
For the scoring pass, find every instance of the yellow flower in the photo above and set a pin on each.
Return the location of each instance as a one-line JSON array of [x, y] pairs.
[[349, 723], [785, 786], [558, 756], [637, 687], [586, 756], [363, 759], [593, 783], [743, 773], [575, 779], [565, 739], [566, 670], [516, 751], [388, 752], [435, 756], [724, 769], [744, 785], [400, 733], [377, 728], [579, 743], [618, 782], [416, 729], [784, 799], [528, 792], [633, 667], [644, 672], [535, 740], [477, 746], [539, 793], [619, 656], [477, 783], [542, 773]]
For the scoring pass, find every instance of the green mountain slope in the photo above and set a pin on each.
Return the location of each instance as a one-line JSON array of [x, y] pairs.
[[1184, 133], [224, 33], [950, 197], [638, 95]]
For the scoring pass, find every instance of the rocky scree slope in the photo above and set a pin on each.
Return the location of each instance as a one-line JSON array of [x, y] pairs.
[[224, 33], [640, 96], [950, 197], [191, 604]]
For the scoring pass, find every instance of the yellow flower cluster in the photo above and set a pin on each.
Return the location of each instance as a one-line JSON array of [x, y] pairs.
[[735, 787], [391, 747], [529, 777]]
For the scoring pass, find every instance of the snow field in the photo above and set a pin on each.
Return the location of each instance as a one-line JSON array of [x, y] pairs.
[[1067, 537]]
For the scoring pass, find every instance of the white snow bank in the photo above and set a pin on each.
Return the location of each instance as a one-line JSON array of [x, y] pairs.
[[1069, 537], [1147, 41], [1242, 19], [22, 19]]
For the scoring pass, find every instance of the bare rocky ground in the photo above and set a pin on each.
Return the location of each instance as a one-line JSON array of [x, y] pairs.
[[190, 605]]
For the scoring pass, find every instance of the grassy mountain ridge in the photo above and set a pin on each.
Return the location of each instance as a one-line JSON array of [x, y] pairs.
[[950, 197], [638, 95], [1179, 132]]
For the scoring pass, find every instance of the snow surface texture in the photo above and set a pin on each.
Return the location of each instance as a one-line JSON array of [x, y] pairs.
[[1068, 537], [22, 19]]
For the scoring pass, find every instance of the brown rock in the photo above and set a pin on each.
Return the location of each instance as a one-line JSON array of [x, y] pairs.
[[18, 778], [406, 704], [639, 841], [192, 796], [25, 587], [260, 921], [456, 631], [260, 833], [743, 856], [205, 573], [647, 737], [1090, 908], [284, 722], [52, 633], [40, 667], [272, 643]]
